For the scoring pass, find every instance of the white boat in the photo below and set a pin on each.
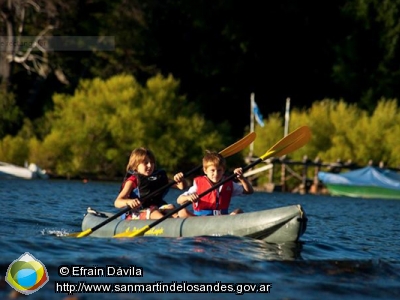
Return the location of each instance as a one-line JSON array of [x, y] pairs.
[[13, 171]]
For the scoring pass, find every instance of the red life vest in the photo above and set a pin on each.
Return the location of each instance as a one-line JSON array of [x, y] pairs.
[[212, 200]]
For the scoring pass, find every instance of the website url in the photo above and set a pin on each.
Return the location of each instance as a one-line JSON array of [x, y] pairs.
[[160, 287]]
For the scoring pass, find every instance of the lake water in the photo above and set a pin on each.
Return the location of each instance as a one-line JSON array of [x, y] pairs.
[[351, 249]]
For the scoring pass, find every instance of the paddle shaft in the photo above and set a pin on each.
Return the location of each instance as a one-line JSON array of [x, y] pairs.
[[172, 212]]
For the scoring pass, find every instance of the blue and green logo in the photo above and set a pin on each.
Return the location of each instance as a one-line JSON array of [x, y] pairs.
[[27, 274]]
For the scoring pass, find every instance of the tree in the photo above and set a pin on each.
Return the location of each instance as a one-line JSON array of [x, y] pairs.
[[94, 130], [18, 47]]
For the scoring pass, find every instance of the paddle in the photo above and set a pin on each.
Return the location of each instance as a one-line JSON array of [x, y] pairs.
[[229, 151], [289, 143]]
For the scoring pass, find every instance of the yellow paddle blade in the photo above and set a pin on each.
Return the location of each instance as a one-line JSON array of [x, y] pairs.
[[80, 234], [293, 141], [133, 233], [239, 145]]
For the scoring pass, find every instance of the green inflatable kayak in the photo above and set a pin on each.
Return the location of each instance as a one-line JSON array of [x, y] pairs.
[[276, 225]]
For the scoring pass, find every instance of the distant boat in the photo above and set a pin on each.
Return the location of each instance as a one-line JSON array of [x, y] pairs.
[[368, 182], [13, 171]]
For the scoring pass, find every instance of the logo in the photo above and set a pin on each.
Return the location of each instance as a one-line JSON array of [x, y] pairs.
[[27, 274]]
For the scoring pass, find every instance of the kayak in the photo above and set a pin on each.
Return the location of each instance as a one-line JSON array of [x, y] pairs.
[[276, 225]]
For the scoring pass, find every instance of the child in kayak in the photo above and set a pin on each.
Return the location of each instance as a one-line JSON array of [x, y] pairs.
[[216, 202], [143, 180]]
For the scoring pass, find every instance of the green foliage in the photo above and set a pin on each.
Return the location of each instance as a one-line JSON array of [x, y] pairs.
[[268, 135], [381, 140], [330, 121], [14, 150], [342, 131], [94, 130]]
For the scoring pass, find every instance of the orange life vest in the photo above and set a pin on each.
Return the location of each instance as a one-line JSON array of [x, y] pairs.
[[218, 199]]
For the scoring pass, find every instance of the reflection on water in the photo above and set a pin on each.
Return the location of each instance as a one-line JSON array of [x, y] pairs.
[[237, 247]]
